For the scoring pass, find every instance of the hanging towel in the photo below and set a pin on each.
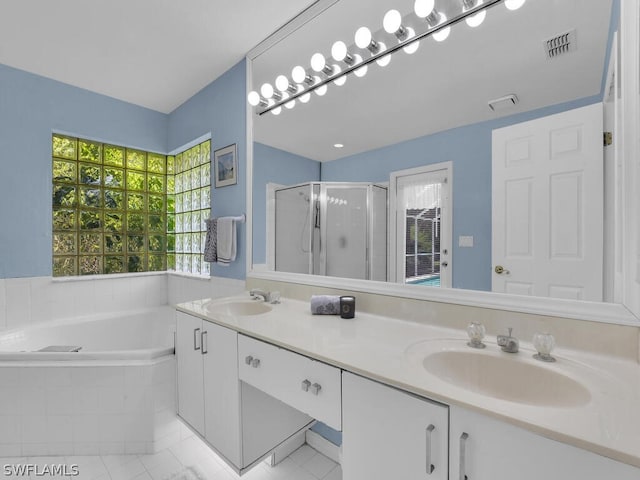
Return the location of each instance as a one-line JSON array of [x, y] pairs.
[[211, 242], [226, 240]]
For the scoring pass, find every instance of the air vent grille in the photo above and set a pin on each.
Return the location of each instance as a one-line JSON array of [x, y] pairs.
[[561, 44]]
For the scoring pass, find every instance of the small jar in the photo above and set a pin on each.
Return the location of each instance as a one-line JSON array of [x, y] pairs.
[[476, 332], [544, 344]]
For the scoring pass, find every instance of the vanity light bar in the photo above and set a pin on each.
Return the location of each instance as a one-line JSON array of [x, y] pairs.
[[376, 56]]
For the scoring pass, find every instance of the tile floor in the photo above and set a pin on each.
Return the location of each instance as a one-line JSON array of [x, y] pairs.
[[189, 459]]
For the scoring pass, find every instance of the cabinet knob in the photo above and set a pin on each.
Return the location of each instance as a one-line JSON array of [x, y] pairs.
[[305, 385], [248, 359], [315, 388], [255, 363]]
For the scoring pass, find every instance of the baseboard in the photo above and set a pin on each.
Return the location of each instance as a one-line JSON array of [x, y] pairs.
[[324, 446]]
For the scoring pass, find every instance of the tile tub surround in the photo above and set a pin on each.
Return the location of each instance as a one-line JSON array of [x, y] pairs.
[[599, 338], [381, 348], [87, 409]]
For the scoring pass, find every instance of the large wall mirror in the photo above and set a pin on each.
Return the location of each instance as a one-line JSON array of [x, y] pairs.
[[418, 131]]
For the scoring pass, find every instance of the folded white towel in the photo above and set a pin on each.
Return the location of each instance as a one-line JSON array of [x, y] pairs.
[[226, 240], [325, 304]]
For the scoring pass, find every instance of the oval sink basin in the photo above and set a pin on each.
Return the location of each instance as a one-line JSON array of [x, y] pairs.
[[508, 379], [239, 308]]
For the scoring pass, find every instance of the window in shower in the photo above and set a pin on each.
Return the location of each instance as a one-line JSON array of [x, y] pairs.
[[187, 227], [109, 208]]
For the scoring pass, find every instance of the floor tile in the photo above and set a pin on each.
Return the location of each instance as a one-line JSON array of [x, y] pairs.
[[319, 465], [303, 454]]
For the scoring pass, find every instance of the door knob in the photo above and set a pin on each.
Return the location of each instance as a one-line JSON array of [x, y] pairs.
[[444, 264], [500, 270]]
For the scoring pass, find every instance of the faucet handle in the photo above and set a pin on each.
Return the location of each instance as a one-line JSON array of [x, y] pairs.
[[510, 330]]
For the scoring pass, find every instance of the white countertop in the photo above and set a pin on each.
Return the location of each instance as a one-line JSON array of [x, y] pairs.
[[391, 351]]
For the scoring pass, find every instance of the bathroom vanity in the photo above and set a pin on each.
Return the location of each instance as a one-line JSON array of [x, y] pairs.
[[400, 394]]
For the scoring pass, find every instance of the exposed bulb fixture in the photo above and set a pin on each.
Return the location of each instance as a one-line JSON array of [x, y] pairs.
[[319, 64], [291, 103], [477, 19], [434, 19], [340, 53], [277, 110], [514, 4], [338, 145], [322, 89], [299, 75], [267, 90], [362, 71], [412, 47], [423, 8], [255, 99], [392, 23], [283, 84], [305, 98], [341, 80], [364, 40], [384, 60]]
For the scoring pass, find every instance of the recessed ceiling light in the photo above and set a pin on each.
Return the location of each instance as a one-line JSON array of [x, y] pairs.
[[338, 145]]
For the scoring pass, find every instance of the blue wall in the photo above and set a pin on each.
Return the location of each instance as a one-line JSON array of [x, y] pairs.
[[31, 108], [277, 166], [220, 110], [469, 149]]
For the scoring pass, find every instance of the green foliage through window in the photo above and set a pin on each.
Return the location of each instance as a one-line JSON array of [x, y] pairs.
[[109, 208]]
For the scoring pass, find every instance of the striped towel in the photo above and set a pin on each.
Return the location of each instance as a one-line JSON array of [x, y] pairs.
[[211, 242]]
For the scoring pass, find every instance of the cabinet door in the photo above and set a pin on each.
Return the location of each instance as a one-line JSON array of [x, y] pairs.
[[189, 358], [391, 434], [482, 448], [221, 390]]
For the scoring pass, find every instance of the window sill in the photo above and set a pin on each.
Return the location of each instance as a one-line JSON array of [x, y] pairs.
[[84, 278]]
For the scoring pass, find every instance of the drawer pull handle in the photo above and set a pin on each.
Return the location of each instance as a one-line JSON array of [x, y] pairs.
[[255, 363], [315, 388], [195, 339], [305, 385], [463, 455], [248, 359], [430, 466]]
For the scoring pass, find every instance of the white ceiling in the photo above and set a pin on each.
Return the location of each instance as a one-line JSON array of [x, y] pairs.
[[443, 85], [153, 53]]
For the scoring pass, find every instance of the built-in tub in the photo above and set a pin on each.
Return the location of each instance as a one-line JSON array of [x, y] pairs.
[[114, 396]]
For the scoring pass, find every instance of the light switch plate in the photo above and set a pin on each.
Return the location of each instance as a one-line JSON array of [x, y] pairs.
[[465, 241]]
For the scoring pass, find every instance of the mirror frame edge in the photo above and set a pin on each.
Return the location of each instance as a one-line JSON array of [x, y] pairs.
[[612, 313]]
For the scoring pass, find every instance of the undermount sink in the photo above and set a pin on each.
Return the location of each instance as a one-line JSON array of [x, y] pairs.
[[512, 379], [238, 308]]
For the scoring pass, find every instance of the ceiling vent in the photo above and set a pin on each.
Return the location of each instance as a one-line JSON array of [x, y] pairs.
[[503, 103], [561, 44]]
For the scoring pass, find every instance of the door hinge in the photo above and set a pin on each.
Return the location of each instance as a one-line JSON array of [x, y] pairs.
[[608, 138]]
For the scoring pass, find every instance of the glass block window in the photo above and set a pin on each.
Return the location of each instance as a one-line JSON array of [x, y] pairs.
[[189, 207], [109, 208]]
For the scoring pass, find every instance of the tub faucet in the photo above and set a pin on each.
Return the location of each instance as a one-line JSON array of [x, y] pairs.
[[256, 292], [508, 343]]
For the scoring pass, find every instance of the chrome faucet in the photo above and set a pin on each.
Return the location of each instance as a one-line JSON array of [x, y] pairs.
[[508, 343], [256, 292]]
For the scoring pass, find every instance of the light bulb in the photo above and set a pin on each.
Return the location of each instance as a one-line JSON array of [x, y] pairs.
[[320, 91], [266, 90], [477, 19], [384, 60], [304, 98], [423, 8], [291, 103], [276, 111], [318, 62], [392, 21], [340, 80], [363, 37], [412, 47], [298, 74], [253, 98], [282, 83], [442, 35], [514, 4], [362, 71], [339, 51]]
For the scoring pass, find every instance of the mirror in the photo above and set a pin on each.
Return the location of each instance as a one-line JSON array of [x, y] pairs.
[[428, 108]]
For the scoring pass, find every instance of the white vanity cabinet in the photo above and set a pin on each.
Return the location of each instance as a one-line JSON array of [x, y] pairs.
[[483, 448], [240, 422], [389, 433]]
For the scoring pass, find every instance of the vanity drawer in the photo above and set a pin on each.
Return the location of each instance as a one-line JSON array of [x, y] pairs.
[[308, 385]]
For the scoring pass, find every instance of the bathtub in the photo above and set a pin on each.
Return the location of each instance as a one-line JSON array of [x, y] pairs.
[[116, 395]]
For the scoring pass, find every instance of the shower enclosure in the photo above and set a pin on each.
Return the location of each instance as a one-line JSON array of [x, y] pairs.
[[333, 229]]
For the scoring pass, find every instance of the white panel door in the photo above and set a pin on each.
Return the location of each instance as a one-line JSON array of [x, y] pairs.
[[482, 448], [189, 358], [388, 434], [548, 206]]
